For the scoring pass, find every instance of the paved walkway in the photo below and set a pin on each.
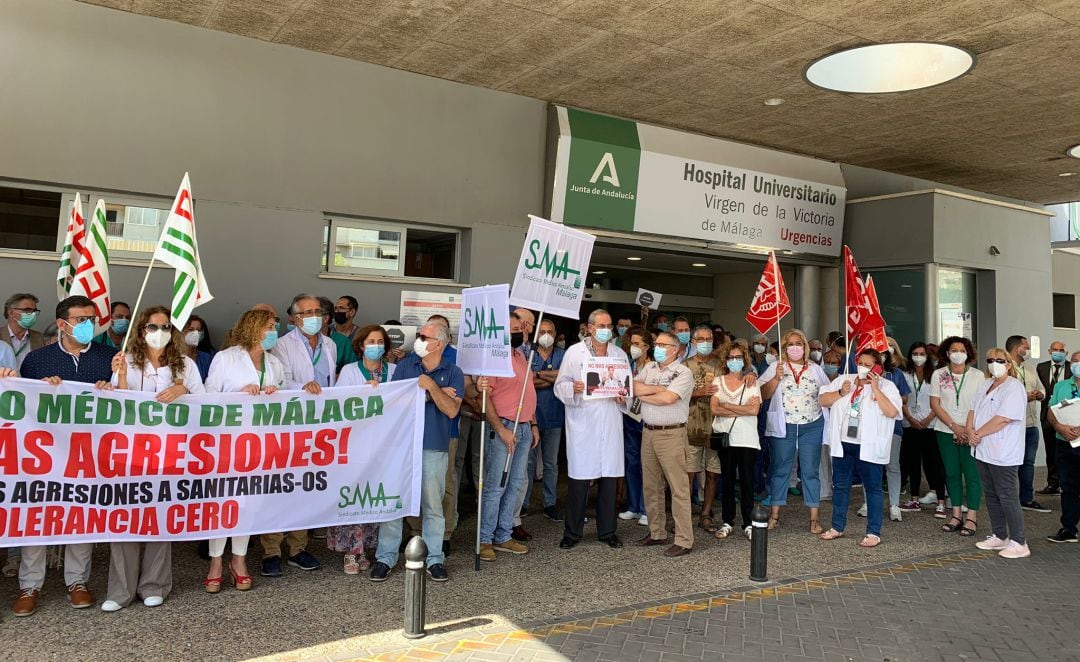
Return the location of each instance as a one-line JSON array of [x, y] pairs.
[[968, 606]]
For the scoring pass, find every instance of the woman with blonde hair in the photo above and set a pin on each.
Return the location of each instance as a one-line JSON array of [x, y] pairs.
[[245, 366], [155, 362], [794, 424], [995, 431]]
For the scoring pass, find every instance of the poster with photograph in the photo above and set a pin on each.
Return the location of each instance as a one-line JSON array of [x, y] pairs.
[[606, 377]]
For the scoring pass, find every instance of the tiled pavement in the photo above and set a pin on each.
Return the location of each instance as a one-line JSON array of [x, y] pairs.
[[967, 606]]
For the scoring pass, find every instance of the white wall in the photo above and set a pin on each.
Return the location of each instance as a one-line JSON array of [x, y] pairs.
[[273, 136]]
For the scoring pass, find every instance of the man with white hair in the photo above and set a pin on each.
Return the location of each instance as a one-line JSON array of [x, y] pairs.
[[444, 384]]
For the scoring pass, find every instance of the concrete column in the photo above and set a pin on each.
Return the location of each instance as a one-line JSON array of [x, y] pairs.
[[930, 295], [808, 294]]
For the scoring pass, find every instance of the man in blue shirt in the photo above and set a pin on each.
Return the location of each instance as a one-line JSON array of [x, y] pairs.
[[445, 385], [546, 362], [75, 358]]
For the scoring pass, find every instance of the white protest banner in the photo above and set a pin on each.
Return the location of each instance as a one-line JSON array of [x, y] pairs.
[[550, 272], [484, 341], [606, 377], [648, 298], [84, 465]]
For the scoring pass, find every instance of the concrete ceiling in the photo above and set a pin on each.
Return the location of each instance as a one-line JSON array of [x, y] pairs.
[[707, 66]]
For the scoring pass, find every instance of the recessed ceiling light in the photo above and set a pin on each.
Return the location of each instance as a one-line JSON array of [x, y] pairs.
[[1066, 174], [699, 264], [893, 67], [634, 259], [773, 101], [599, 273]]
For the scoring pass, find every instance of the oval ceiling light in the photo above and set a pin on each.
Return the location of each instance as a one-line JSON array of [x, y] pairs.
[[699, 264], [634, 259], [893, 67], [1074, 151]]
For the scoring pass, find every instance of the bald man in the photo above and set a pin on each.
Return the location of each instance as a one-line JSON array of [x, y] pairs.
[[528, 327]]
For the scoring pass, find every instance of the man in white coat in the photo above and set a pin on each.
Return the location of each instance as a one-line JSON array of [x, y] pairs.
[[310, 360], [594, 436]]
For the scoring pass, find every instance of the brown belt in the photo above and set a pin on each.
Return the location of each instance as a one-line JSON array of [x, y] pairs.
[[665, 427]]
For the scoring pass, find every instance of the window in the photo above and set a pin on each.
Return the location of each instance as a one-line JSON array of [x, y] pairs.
[[1064, 311], [29, 219], [132, 225], [389, 249]]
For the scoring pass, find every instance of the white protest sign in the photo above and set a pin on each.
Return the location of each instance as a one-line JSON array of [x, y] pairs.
[[550, 274], [484, 339], [606, 377], [648, 298]]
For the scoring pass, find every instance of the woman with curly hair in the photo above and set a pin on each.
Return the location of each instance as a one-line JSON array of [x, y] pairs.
[[245, 366], [952, 394], [155, 362]]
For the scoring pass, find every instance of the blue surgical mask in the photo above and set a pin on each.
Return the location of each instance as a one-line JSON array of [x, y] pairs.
[[663, 326], [1075, 369], [831, 369], [602, 335], [120, 326], [28, 320], [703, 348], [1057, 357], [735, 365], [269, 340], [660, 354], [683, 336], [312, 325], [622, 331], [374, 352], [83, 332]]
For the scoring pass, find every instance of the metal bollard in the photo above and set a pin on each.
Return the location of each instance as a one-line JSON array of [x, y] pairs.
[[759, 544], [415, 588]]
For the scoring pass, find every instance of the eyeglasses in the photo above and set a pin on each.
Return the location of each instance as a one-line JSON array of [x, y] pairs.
[[664, 344], [84, 318], [1003, 361], [424, 338], [158, 327], [27, 310], [309, 313], [604, 326]]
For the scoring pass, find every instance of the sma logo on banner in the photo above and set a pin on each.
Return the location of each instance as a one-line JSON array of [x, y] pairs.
[[480, 322]]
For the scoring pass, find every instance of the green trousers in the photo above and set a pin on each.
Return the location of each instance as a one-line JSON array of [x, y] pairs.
[[960, 473]]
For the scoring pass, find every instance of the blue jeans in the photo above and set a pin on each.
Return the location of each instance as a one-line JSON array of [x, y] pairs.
[[550, 440], [843, 468], [635, 492], [1027, 469], [501, 503], [806, 441], [432, 487]]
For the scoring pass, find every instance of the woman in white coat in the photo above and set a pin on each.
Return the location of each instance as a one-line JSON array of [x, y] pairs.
[[155, 362], [995, 431], [246, 366], [864, 410]]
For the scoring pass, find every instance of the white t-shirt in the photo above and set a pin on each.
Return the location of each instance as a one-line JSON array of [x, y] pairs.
[[875, 431], [944, 385], [1004, 448], [919, 400], [146, 378], [744, 434]]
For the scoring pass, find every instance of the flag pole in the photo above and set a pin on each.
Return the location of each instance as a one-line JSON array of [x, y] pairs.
[[138, 300], [480, 478], [521, 398]]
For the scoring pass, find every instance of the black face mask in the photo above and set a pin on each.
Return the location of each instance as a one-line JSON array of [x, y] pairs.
[[517, 339], [340, 318]]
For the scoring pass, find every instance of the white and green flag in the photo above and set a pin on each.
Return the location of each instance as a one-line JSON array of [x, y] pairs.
[[179, 249], [552, 271], [73, 241], [91, 278]]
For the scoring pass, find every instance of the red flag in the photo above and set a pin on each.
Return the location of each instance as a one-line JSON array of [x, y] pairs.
[[770, 303], [873, 338], [861, 316]]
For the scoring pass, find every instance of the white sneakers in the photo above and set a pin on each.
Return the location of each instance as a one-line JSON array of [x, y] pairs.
[[153, 601], [110, 606], [643, 520], [862, 511], [993, 543], [895, 515], [628, 515], [929, 497], [1015, 550]]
